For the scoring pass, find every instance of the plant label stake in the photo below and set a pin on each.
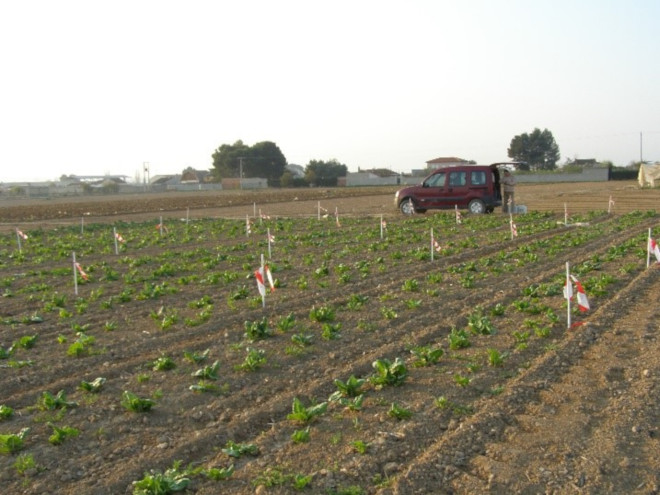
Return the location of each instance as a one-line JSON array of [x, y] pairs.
[[269, 243], [568, 293], [187, 215], [114, 236], [160, 226], [75, 275], [18, 240], [254, 209], [610, 205], [82, 225], [382, 227], [565, 214], [432, 245]]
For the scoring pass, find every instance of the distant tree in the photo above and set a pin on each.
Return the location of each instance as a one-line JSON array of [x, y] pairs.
[[538, 149], [320, 173], [264, 159]]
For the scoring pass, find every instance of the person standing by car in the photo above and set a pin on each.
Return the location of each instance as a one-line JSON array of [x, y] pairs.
[[508, 187]]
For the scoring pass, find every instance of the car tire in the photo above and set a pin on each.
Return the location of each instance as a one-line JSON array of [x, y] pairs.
[[407, 207], [477, 207]]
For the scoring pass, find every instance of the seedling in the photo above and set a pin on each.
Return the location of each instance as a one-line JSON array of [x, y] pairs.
[[11, 442], [194, 357], [254, 360], [208, 372], [132, 402], [93, 387], [389, 373], [360, 447], [399, 412], [351, 388], [495, 358], [48, 402], [301, 414], [219, 474], [157, 483], [458, 339], [286, 323], [425, 355], [163, 363], [330, 331], [322, 314], [257, 330], [462, 381], [300, 436], [61, 434], [236, 450], [6, 412], [480, 324]]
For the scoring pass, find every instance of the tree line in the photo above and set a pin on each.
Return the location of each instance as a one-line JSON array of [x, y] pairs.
[[536, 150]]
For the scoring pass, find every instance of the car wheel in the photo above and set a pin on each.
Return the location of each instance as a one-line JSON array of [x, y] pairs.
[[407, 207], [477, 207]]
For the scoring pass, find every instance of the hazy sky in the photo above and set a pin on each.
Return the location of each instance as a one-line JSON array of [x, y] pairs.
[[92, 87]]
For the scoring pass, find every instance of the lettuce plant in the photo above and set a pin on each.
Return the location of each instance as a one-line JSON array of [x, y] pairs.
[[11, 442], [389, 373], [132, 402]]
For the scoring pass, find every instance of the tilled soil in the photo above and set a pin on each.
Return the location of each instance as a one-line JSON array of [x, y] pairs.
[[565, 411]]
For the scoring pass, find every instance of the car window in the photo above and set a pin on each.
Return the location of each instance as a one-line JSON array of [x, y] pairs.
[[478, 177], [436, 180], [457, 178]]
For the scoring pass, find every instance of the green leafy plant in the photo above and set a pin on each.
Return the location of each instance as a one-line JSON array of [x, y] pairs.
[[195, 357], [462, 381], [219, 474], [61, 434], [156, 483], [254, 360], [425, 355], [94, 386], [163, 363], [49, 402], [330, 331], [360, 446], [495, 358], [350, 388], [132, 402], [286, 323], [208, 372], [480, 324], [302, 414], [6, 412], [399, 412], [458, 339], [322, 314], [11, 442], [257, 330], [301, 436], [27, 341], [237, 450], [25, 463], [388, 372]]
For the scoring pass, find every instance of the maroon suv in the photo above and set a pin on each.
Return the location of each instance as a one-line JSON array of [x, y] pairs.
[[475, 187]]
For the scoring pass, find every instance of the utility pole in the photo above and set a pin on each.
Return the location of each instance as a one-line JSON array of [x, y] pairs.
[[240, 171], [146, 177]]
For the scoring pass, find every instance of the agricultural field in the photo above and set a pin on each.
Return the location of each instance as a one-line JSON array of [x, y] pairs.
[[394, 355]]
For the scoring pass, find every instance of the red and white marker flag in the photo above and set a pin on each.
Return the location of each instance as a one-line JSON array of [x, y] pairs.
[[337, 217], [610, 205], [22, 235], [248, 226], [459, 220], [81, 271], [512, 226], [383, 226], [652, 249], [259, 276], [119, 237], [582, 301]]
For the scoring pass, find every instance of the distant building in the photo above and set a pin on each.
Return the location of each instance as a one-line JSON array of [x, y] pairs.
[[297, 171], [446, 161]]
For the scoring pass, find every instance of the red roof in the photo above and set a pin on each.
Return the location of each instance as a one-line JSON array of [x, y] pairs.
[[446, 159]]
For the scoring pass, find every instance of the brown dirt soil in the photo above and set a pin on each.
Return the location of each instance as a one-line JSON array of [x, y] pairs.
[[561, 411]]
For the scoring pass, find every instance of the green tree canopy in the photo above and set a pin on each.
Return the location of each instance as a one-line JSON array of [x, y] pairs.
[[538, 149], [320, 173], [263, 159]]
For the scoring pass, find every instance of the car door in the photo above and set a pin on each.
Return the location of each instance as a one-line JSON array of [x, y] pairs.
[[432, 190], [456, 192]]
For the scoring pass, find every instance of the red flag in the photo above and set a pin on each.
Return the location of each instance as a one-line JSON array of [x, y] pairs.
[[582, 301], [458, 217], [119, 237], [21, 235], [654, 248], [259, 276], [514, 229], [162, 227], [81, 271]]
